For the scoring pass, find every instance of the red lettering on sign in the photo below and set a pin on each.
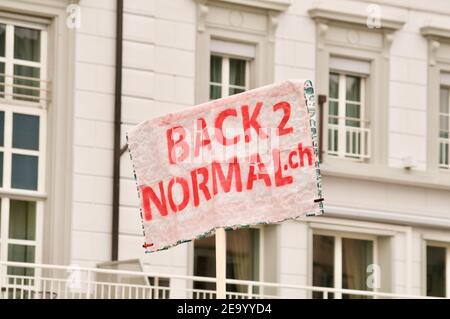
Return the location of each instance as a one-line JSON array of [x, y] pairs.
[[291, 162], [286, 107], [201, 137], [217, 174], [280, 180], [305, 151], [252, 121], [171, 144], [202, 186], [219, 127], [262, 172], [184, 185], [148, 195]]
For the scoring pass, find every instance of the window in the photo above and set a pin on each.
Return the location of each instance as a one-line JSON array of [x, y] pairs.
[[22, 59], [342, 262], [235, 46], [228, 76], [22, 143], [243, 258], [444, 127], [348, 132], [438, 257]]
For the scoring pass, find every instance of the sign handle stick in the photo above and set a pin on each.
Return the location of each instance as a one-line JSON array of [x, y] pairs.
[[221, 262]]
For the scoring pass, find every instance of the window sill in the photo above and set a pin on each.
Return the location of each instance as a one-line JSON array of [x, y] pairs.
[[367, 171]]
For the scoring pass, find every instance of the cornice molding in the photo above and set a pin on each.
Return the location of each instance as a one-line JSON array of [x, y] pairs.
[[435, 36], [325, 15], [275, 5], [435, 32]]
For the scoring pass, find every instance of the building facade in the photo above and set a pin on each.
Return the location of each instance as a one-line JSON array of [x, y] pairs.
[[383, 66]]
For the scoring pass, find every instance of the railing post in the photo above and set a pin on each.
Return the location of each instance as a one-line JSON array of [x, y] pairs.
[[38, 282], [89, 279], [250, 291], [156, 288]]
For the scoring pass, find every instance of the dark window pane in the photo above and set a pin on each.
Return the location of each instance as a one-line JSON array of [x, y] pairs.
[[28, 78], [2, 128], [24, 172], [2, 39], [446, 162], [1, 169], [436, 271], [205, 261], [22, 220], [444, 154], [215, 92], [334, 85], [216, 69], [25, 131], [443, 100], [333, 110], [353, 88], [443, 126], [356, 256], [242, 258], [20, 253], [323, 263], [237, 72], [352, 111], [235, 91], [333, 139], [27, 44], [2, 79]]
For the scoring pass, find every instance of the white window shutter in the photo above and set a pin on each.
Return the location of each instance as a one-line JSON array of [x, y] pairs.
[[445, 78], [237, 49], [350, 65]]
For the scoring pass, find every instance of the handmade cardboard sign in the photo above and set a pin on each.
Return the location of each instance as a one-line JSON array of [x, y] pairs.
[[247, 159]]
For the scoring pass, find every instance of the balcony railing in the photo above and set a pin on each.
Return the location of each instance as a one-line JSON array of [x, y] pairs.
[[444, 153], [24, 88], [349, 141], [69, 282]]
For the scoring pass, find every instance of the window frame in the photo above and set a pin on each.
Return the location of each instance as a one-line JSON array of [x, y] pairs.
[[38, 108], [444, 167], [332, 40], [445, 245], [260, 35], [60, 71], [261, 268], [9, 60], [341, 117], [338, 236], [225, 79], [438, 46]]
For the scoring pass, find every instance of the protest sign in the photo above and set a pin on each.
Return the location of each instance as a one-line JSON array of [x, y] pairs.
[[247, 159]]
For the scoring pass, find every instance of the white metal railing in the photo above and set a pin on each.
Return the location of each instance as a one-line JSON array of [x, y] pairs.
[[349, 141], [444, 153], [24, 88], [69, 282]]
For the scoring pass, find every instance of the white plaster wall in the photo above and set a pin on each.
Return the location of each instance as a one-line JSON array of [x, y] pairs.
[[93, 133], [158, 77]]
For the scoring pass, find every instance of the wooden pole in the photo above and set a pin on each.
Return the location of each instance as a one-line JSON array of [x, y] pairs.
[[322, 101], [221, 262]]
